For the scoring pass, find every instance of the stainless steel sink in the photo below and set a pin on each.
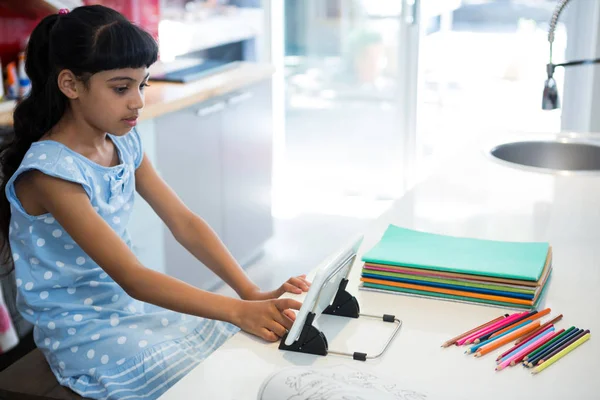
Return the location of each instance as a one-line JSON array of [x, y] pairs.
[[550, 156]]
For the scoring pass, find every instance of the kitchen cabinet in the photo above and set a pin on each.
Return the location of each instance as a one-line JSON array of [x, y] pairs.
[[189, 158], [217, 157], [246, 159]]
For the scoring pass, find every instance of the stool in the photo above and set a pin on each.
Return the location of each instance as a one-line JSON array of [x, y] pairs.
[[30, 378]]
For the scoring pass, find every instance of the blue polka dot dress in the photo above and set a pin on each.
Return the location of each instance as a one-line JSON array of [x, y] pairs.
[[98, 341]]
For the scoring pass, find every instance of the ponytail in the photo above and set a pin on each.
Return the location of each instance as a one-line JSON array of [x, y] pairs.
[[33, 117]]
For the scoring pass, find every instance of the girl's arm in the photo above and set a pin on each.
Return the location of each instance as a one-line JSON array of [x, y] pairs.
[[199, 239], [70, 206]]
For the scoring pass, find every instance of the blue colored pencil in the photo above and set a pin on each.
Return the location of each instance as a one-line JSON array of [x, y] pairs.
[[474, 348], [489, 334]]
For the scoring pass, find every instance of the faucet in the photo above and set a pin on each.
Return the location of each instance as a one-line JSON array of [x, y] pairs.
[[550, 100]]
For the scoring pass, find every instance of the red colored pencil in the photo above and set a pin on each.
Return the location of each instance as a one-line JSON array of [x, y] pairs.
[[474, 338]]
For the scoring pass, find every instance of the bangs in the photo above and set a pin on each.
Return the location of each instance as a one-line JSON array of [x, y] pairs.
[[121, 45]]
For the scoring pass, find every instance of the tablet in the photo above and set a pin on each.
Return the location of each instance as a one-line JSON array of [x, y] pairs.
[[325, 285]]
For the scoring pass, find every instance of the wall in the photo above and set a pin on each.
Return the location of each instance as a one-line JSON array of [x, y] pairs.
[[15, 28], [145, 13]]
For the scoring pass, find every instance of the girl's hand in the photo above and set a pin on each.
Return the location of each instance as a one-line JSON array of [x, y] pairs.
[[296, 285], [267, 319]]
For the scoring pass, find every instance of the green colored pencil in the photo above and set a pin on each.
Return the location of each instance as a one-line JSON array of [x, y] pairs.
[[546, 345]]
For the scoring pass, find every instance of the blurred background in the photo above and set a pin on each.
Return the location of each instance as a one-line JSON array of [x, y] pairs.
[[371, 95], [374, 103]]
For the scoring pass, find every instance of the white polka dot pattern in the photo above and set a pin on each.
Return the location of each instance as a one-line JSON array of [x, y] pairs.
[[87, 324]]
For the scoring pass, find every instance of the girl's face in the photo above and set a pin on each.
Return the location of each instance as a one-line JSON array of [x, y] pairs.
[[111, 101]]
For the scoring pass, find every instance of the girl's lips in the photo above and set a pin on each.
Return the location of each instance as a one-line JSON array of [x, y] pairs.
[[131, 121]]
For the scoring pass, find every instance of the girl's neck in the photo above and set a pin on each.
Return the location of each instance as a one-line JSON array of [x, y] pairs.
[[76, 133]]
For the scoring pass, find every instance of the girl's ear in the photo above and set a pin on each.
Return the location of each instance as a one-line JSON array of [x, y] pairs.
[[68, 84]]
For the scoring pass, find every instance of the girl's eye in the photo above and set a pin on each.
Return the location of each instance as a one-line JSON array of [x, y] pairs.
[[144, 85], [120, 90]]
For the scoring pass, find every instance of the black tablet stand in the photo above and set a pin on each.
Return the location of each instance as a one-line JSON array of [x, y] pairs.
[[313, 341]]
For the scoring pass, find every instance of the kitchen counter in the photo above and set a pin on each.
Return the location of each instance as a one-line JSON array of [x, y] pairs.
[[163, 98], [471, 196]]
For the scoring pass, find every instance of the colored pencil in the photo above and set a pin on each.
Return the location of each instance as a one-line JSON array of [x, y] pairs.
[[487, 338], [532, 316], [505, 328], [452, 341], [557, 338], [523, 352], [508, 338], [551, 322], [532, 361], [531, 347], [468, 339], [516, 347], [560, 355], [563, 346], [507, 321], [536, 355], [475, 347], [517, 350]]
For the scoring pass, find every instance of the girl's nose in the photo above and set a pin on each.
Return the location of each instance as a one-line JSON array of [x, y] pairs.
[[137, 102]]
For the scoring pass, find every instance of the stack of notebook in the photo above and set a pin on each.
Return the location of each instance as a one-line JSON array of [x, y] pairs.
[[509, 274]]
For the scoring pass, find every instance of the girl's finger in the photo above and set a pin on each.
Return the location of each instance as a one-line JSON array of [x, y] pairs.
[[288, 287], [283, 320], [305, 281], [267, 335], [290, 314], [277, 329], [298, 283]]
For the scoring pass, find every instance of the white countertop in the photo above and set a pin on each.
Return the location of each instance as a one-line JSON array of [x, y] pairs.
[[472, 196]]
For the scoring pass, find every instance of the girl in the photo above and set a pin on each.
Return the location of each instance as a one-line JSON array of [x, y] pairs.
[[108, 327]]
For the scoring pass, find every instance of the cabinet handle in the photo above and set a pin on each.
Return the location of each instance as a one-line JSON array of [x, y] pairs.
[[212, 109], [240, 98]]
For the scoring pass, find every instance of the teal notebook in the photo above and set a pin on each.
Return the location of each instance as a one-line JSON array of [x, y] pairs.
[[410, 248]]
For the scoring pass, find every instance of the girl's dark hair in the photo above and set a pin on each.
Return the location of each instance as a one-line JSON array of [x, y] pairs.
[[85, 41]]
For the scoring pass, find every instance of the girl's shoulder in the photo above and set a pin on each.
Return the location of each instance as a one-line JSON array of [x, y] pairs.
[[54, 159]]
